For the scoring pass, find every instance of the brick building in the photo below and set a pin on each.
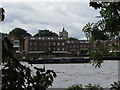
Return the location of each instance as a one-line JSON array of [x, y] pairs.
[[54, 45], [60, 46], [43, 44]]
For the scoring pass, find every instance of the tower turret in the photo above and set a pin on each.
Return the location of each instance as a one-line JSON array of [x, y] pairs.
[[64, 34]]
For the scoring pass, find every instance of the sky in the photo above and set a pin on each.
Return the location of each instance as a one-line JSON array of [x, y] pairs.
[[48, 14]]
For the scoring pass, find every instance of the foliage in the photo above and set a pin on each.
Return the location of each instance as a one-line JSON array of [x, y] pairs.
[[107, 28], [83, 51], [20, 33], [2, 16], [16, 76], [73, 53], [115, 86], [110, 17], [93, 32], [109, 22], [93, 87], [75, 87], [86, 87], [72, 38], [97, 53], [46, 33]]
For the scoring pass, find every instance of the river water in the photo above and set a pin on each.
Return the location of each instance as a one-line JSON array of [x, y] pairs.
[[69, 74]]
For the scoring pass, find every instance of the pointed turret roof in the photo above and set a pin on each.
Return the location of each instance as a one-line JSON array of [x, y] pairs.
[[63, 29]]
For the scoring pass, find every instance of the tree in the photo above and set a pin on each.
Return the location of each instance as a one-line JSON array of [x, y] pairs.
[[109, 22], [83, 51], [86, 87], [19, 77], [110, 17], [46, 33], [107, 28], [114, 86], [72, 38], [21, 34], [2, 16], [94, 32]]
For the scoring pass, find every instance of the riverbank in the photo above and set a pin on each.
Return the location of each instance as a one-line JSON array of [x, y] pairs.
[[62, 60]]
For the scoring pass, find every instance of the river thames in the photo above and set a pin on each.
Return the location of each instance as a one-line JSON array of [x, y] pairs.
[[69, 74]]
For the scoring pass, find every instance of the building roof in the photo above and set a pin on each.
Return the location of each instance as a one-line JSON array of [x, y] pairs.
[[45, 38], [58, 39]]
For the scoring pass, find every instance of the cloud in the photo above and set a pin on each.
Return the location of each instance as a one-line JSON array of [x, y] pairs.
[[49, 15]]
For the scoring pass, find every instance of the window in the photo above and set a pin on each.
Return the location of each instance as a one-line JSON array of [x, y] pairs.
[[16, 42], [31, 49], [35, 48], [63, 43], [74, 46], [58, 43], [81, 46], [44, 43], [32, 38], [86, 41], [84, 46], [49, 48], [16, 48], [81, 42], [30, 43], [54, 48], [49, 43], [35, 43], [68, 41], [53, 43], [58, 49], [12, 38]]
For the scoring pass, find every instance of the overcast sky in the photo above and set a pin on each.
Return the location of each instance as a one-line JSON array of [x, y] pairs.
[[34, 16]]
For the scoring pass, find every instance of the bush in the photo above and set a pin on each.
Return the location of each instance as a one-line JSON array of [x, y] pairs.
[[75, 87], [115, 86], [93, 87], [86, 87]]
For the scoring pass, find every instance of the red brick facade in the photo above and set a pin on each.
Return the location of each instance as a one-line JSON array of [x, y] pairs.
[[59, 45]]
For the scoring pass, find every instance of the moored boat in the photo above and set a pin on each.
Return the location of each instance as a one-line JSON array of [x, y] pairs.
[[59, 60]]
